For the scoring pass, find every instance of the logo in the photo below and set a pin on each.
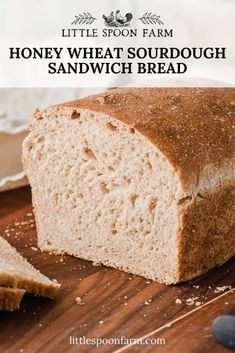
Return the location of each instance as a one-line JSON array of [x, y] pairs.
[[117, 24], [149, 19], [116, 19], [84, 19]]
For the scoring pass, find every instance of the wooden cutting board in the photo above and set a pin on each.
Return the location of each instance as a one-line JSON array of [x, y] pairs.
[[115, 304]]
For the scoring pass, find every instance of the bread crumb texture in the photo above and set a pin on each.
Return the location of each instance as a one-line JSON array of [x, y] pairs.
[[141, 179]]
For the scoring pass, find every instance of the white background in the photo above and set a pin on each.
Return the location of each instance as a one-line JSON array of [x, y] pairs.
[[38, 23]]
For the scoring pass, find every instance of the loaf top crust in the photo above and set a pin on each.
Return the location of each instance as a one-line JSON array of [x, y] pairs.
[[194, 128]]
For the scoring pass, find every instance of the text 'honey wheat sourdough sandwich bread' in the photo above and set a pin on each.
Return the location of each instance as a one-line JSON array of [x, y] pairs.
[[17, 276], [141, 179]]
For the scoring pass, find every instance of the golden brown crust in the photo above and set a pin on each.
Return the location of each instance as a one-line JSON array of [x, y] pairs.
[[192, 127], [206, 236], [10, 298], [30, 285]]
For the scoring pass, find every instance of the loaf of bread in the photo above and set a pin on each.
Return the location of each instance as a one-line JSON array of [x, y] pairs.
[[10, 298], [17, 273], [140, 179]]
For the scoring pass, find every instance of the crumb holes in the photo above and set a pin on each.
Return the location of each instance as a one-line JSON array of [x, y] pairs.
[[80, 195], [111, 127], [69, 192], [132, 130], [200, 196], [127, 179], [48, 243], [56, 197], [149, 165], [41, 139], [30, 146], [113, 228], [133, 198], [98, 215], [89, 153], [91, 168], [104, 189], [110, 168], [75, 115], [152, 203]]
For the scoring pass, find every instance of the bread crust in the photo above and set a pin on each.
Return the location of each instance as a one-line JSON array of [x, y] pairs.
[[37, 284], [30, 285], [10, 298], [206, 236], [193, 127]]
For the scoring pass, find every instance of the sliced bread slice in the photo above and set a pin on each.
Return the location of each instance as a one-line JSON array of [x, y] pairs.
[[10, 298], [17, 272]]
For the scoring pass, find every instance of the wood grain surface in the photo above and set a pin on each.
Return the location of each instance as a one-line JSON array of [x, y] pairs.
[[115, 304]]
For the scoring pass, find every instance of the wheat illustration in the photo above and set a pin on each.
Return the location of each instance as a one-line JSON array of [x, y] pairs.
[[84, 19], [150, 18]]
